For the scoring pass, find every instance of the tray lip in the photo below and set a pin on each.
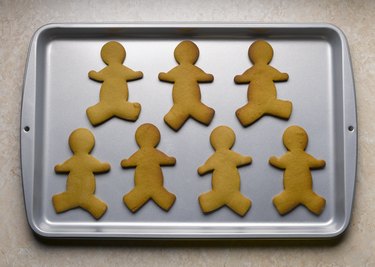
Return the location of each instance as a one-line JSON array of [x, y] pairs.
[[351, 108]]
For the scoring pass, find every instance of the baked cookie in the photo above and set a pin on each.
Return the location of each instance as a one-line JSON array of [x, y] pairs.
[[186, 92], [148, 176], [114, 91], [261, 93], [80, 185], [225, 177], [296, 164]]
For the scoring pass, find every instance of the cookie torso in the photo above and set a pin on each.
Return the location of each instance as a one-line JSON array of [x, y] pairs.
[[186, 89], [262, 89], [297, 175], [82, 179], [114, 87], [148, 173], [226, 177]]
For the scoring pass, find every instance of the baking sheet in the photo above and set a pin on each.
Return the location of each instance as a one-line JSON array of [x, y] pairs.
[[57, 92]]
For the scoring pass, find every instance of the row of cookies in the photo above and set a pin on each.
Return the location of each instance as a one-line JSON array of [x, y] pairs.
[[186, 93], [148, 176]]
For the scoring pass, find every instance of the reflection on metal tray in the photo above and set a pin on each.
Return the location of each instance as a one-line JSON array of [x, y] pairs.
[[57, 92]]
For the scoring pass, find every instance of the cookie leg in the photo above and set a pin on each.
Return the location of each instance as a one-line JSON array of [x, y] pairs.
[[128, 111], [239, 203], [99, 113], [210, 201], [176, 117], [202, 113], [64, 201], [135, 199], [249, 113], [95, 206], [314, 202], [280, 108], [163, 198], [284, 203]]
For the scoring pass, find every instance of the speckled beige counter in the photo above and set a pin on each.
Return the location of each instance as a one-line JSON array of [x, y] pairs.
[[18, 246]]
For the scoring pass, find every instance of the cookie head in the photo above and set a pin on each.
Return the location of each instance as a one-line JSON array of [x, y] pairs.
[[222, 137], [295, 137], [147, 135], [81, 140], [260, 52], [113, 52], [186, 52]]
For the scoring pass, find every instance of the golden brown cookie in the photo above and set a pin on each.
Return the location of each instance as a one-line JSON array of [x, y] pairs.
[[148, 176], [80, 185], [114, 91], [296, 164], [186, 92], [225, 177], [261, 94]]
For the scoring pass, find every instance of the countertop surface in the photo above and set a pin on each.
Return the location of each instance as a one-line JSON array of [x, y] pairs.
[[19, 247]]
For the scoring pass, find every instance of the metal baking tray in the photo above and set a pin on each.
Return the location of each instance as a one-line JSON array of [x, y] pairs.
[[57, 92]]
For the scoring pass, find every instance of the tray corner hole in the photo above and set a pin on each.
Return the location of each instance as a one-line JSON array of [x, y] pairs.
[[26, 129], [351, 128]]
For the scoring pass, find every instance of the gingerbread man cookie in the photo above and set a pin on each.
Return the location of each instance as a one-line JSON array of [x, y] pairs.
[[148, 175], [261, 92], [225, 177], [114, 91], [186, 92], [80, 185], [297, 175]]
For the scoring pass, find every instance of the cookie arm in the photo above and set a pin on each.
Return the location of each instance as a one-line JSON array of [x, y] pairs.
[[63, 168], [277, 162], [165, 160], [243, 160], [132, 75], [278, 76], [98, 166], [203, 76], [316, 163], [166, 77], [206, 167], [97, 76], [245, 77], [132, 161]]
